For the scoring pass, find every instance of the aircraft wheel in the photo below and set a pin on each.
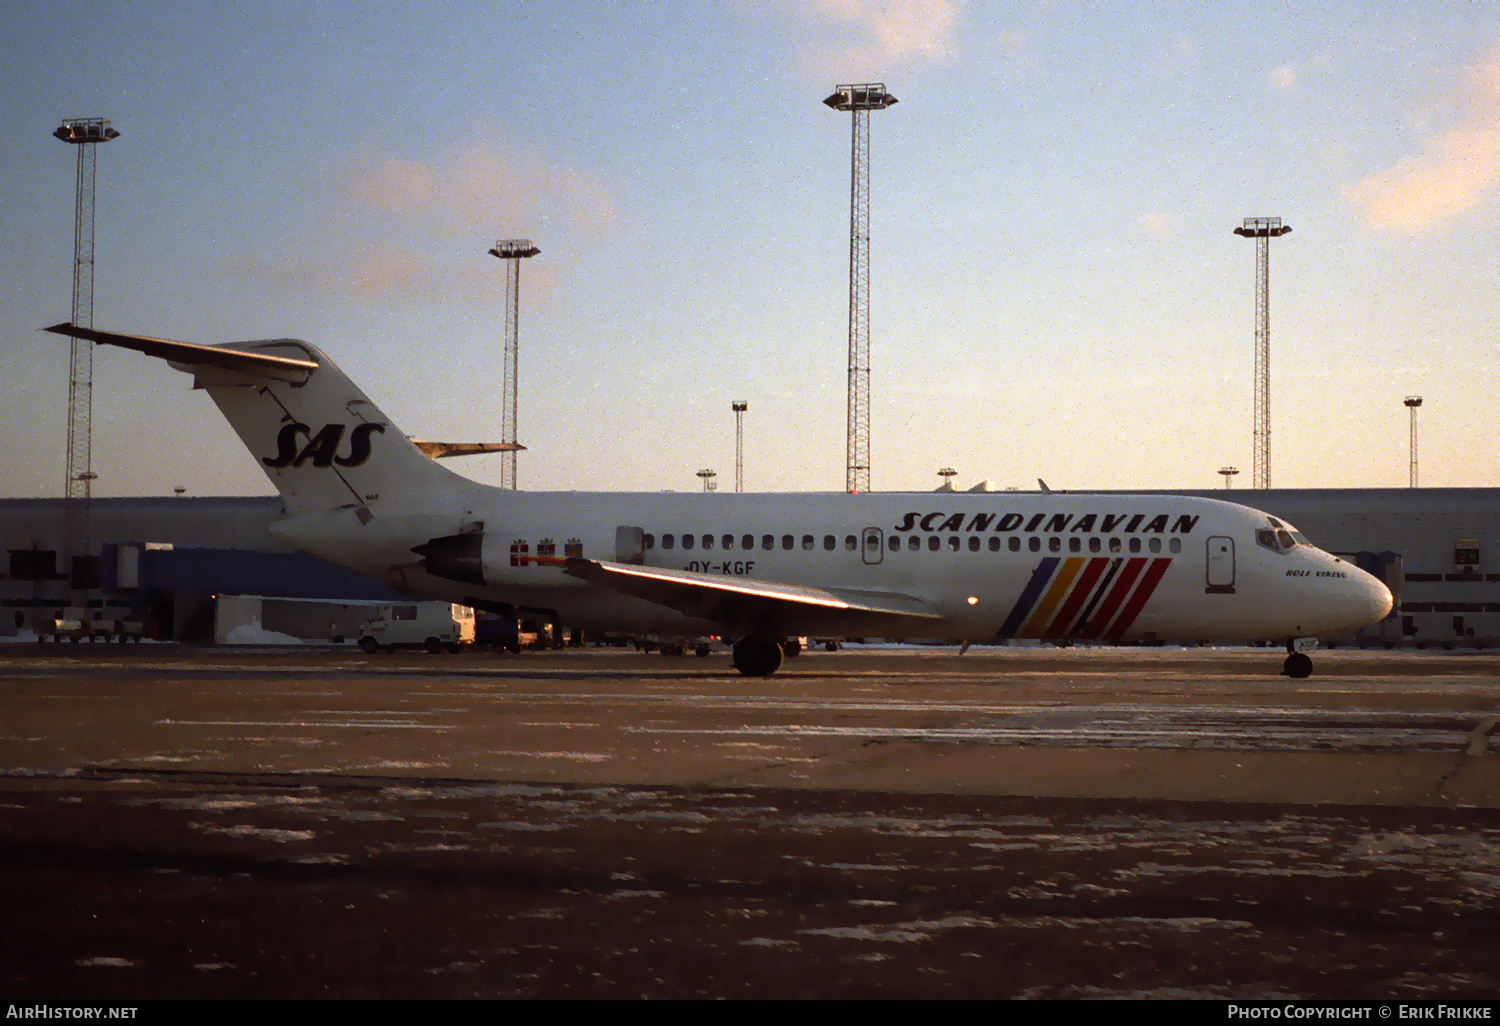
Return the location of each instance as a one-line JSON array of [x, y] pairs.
[[702, 651], [1297, 666], [792, 647], [757, 657], [368, 645]]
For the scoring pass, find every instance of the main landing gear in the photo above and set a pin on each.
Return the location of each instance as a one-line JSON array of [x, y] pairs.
[[757, 656], [1298, 665]]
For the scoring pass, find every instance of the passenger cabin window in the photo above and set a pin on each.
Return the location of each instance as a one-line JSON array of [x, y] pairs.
[[1054, 544], [747, 542], [1175, 544], [913, 543], [729, 541], [667, 541], [786, 541], [973, 543], [850, 544], [1015, 544], [934, 543], [768, 542], [829, 542], [995, 543], [1114, 545], [1075, 544], [1035, 544], [1154, 545], [649, 541], [953, 542], [807, 542], [687, 541], [1135, 545]]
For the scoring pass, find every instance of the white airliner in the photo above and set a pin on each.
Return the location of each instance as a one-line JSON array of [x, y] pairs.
[[764, 568]]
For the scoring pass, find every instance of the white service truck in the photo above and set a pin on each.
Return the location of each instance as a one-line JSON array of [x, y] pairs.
[[434, 626]]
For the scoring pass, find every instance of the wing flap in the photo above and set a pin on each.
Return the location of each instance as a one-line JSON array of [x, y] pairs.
[[193, 355], [744, 604]]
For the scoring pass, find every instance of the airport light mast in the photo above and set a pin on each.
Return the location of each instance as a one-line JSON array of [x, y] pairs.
[[512, 251], [1228, 473], [707, 477], [739, 406], [1411, 403], [78, 542], [1262, 230], [860, 100]]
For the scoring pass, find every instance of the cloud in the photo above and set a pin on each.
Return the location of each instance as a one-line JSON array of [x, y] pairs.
[[850, 39], [1185, 47], [1455, 171], [1155, 224], [478, 187], [412, 229]]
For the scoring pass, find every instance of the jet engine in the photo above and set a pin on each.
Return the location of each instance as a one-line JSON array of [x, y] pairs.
[[456, 557]]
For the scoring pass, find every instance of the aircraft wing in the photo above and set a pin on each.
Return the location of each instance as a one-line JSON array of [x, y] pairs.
[[240, 361], [745, 605]]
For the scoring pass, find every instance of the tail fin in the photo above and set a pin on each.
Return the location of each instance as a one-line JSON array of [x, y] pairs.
[[319, 439]]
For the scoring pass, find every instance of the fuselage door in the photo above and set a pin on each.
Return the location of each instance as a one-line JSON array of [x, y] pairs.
[[872, 548], [1220, 566]]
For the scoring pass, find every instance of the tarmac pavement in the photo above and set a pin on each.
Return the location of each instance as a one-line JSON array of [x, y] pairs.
[[180, 822]]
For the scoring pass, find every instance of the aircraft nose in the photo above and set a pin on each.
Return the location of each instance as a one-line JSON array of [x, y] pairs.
[[1369, 600]]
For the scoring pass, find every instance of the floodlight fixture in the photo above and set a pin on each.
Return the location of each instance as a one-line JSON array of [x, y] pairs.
[[866, 96]]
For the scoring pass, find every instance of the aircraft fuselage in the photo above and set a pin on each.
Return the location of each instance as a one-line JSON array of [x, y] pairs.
[[992, 566]]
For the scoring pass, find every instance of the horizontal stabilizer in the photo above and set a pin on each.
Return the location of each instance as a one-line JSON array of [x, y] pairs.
[[442, 450], [240, 361], [746, 604]]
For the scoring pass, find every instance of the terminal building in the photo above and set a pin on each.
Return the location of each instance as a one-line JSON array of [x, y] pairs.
[[165, 562]]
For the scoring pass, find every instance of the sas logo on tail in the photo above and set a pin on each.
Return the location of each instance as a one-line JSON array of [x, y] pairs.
[[322, 448]]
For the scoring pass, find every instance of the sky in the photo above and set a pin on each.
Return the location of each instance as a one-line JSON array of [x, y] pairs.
[[1056, 289]]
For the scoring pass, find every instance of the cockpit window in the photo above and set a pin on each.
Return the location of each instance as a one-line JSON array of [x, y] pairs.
[[1280, 538]]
